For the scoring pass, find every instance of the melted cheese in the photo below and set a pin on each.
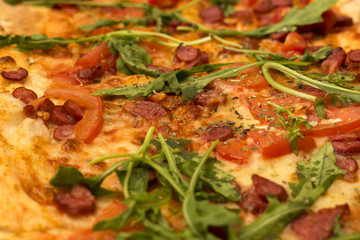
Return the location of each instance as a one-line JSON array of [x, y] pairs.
[[29, 156]]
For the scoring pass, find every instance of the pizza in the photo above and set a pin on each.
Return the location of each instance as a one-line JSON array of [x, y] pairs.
[[179, 119]]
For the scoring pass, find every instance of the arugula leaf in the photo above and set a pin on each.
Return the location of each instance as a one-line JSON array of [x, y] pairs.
[[320, 54], [296, 17], [321, 171], [226, 5], [28, 43], [315, 178], [320, 108], [69, 176], [199, 215], [176, 82], [138, 206], [139, 179], [327, 87], [110, 22], [132, 58], [290, 123], [339, 234]]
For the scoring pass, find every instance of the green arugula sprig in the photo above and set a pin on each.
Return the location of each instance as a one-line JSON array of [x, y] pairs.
[[310, 14], [339, 234], [40, 41], [315, 178], [170, 163], [177, 82], [291, 124], [327, 87]]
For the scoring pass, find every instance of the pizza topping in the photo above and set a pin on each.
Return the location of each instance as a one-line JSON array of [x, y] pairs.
[[343, 21], [74, 110], [24, 94], [351, 167], [334, 61], [146, 109], [78, 202], [282, 3], [64, 132], [221, 132], [252, 202], [317, 176], [354, 55], [212, 14], [87, 73], [17, 75], [46, 105], [209, 98], [29, 111], [59, 116], [190, 55], [160, 68], [280, 37], [346, 148], [319, 225], [264, 6], [255, 199], [264, 187]]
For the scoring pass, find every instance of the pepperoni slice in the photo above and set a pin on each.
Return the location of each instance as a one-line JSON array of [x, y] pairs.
[[264, 6], [351, 167], [223, 133], [17, 75], [354, 56], [79, 201], [333, 62], [263, 187], [187, 53], [282, 3], [24, 94], [209, 98], [74, 110], [212, 14], [146, 109], [59, 116], [319, 225], [46, 105], [64, 132]]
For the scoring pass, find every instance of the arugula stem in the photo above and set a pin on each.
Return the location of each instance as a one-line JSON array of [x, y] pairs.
[[190, 192], [196, 173], [186, 6], [280, 87], [142, 150], [100, 159], [224, 41], [86, 3], [165, 174]]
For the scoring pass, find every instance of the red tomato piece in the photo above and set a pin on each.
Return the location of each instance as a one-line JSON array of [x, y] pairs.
[[350, 123], [252, 79], [90, 125], [100, 57], [273, 144], [294, 42], [163, 3], [234, 151], [280, 13]]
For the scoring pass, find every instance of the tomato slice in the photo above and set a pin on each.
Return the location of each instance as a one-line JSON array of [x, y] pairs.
[[100, 57], [350, 117], [272, 145], [90, 125], [163, 3], [280, 13], [234, 151], [294, 42]]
